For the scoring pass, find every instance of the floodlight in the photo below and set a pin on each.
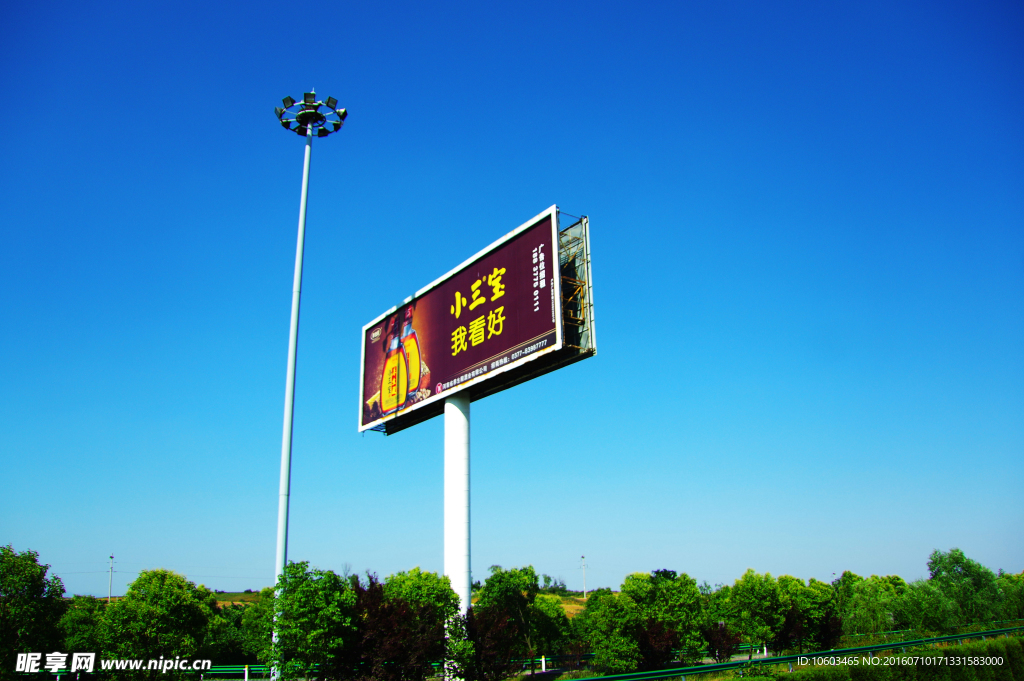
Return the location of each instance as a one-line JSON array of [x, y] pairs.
[[287, 124], [287, 101], [301, 130], [322, 132], [337, 126], [309, 97], [332, 102], [343, 114], [279, 111]]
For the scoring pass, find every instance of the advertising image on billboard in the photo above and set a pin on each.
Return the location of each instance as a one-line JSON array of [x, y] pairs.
[[495, 312]]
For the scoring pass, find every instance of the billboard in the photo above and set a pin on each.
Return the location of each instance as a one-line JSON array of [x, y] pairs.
[[486, 325]]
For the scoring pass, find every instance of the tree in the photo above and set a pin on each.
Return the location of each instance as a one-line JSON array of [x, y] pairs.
[[258, 626], [315, 612], [1012, 587], [31, 605], [757, 607], [419, 588], [925, 607], [970, 585], [843, 587], [630, 631], [870, 605], [395, 641], [550, 625], [161, 615], [486, 645], [80, 625], [226, 642], [722, 641], [673, 600], [513, 591]]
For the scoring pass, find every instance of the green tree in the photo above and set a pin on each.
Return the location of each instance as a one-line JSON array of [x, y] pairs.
[[80, 625], [757, 607], [315, 612], [225, 638], [824, 622], [550, 625], [1012, 587], [419, 588], [925, 607], [609, 623], [513, 591], [870, 605], [161, 615], [971, 585], [258, 626], [675, 601], [31, 606], [843, 587]]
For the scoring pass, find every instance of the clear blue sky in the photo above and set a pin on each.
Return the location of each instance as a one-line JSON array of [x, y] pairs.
[[808, 238]]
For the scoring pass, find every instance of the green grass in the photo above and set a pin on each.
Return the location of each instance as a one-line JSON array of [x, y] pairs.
[[237, 597]]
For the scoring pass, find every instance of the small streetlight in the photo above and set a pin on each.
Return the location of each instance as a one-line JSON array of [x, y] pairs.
[[304, 118]]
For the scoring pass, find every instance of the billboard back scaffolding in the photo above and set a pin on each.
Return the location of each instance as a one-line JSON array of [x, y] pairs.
[[518, 309]]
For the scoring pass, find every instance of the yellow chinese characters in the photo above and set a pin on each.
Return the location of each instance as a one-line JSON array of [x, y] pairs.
[[476, 330], [482, 327], [460, 302], [495, 321], [494, 281], [459, 340]]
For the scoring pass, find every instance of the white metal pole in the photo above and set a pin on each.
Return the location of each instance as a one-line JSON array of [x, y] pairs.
[[110, 581], [289, 390], [456, 497]]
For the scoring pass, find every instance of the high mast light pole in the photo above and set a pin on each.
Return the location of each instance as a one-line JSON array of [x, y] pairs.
[[305, 118]]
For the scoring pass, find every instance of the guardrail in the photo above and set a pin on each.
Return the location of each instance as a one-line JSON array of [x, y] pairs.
[[260, 670]]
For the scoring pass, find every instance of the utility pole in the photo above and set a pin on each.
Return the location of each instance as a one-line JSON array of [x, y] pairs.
[[583, 561], [110, 581]]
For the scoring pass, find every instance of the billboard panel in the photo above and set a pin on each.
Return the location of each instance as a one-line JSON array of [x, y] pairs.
[[491, 315]]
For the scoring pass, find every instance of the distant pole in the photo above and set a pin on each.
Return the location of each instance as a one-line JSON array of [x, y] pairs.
[[110, 581], [456, 497], [583, 560]]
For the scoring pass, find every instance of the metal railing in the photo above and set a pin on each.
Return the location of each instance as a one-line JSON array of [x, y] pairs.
[[258, 670]]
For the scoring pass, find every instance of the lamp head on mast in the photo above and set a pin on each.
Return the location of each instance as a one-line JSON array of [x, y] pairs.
[[320, 117]]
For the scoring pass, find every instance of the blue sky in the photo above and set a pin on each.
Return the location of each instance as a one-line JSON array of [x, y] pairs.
[[808, 238]]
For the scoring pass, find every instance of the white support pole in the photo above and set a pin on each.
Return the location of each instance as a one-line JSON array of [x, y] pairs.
[[289, 390], [456, 497]]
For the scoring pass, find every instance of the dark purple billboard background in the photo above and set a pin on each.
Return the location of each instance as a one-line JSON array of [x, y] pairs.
[[488, 317]]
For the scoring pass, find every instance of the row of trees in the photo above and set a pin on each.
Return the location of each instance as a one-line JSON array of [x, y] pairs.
[[333, 626]]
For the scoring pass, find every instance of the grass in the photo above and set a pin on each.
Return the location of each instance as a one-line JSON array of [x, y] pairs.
[[237, 596]]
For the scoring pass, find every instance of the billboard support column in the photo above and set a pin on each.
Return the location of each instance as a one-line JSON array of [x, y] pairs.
[[456, 496]]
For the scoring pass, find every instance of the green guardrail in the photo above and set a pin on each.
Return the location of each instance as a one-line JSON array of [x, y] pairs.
[[259, 670]]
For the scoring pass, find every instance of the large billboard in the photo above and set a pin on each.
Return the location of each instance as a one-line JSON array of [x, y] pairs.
[[491, 315]]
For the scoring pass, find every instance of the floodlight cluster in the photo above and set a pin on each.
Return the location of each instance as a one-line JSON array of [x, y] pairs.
[[322, 118]]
